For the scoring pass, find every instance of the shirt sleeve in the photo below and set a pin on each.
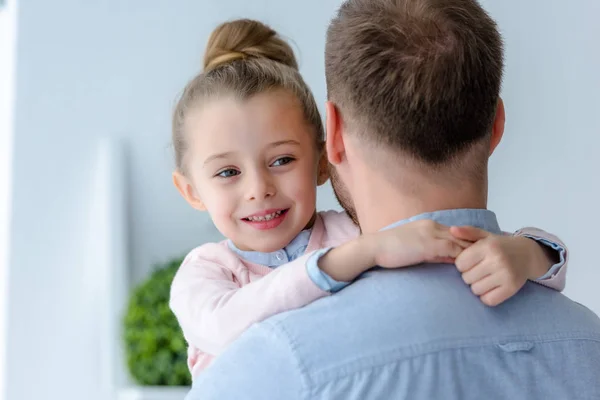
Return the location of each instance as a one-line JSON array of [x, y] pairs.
[[213, 309], [555, 278], [260, 365], [320, 278]]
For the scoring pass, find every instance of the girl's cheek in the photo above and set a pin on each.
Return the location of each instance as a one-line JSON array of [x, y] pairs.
[[305, 186], [222, 199]]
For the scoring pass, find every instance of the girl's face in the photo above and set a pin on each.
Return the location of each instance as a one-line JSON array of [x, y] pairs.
[[253, 165]]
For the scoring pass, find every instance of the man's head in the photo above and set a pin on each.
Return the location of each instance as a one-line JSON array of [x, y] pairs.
[[413, 89]]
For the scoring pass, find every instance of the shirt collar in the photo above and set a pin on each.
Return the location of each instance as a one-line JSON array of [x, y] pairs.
[[479, 218], [275, 258]]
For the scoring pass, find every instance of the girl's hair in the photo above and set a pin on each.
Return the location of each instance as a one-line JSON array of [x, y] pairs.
[[244, 58]]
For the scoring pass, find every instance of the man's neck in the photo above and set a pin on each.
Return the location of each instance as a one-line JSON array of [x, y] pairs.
[[382, 204]]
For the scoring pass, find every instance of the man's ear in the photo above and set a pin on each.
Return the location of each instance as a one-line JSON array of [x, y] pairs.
[[323, 167], [498, 128], [334, 142], [187, 191]]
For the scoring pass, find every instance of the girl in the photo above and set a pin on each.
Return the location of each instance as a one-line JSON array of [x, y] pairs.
[[248, 143]]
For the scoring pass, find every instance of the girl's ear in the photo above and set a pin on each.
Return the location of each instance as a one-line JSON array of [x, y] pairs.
[[187, 191]]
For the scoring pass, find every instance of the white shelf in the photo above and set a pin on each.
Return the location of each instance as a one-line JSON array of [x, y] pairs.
[[153, 393]]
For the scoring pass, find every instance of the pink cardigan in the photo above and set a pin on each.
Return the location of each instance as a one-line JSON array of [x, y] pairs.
[[214, 302]]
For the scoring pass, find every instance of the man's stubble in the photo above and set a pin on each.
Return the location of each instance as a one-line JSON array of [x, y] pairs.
[[341, 194]]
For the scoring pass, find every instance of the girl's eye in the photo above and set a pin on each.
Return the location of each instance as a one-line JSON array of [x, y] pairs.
[[228, 173], [282, 161]]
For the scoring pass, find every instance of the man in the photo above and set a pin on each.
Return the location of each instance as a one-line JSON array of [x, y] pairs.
[[414, 114]]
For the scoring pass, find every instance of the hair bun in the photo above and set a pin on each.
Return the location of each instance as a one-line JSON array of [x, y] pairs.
[[245, 38]]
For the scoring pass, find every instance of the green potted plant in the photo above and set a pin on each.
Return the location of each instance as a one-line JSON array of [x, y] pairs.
[[155, 348]]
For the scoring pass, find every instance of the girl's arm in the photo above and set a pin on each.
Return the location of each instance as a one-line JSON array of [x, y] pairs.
[[213, 309]]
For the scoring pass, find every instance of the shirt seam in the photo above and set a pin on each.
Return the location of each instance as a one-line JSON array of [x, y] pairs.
[[382, 360], [283, 334]]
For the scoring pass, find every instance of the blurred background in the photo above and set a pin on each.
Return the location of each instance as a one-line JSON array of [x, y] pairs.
[[88, 211]]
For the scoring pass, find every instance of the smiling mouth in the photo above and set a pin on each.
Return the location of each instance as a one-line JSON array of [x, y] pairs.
[[267, 217]]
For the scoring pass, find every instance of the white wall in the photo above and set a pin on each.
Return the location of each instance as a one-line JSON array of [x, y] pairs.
[[88, 70], [546, 170], [7, 46]]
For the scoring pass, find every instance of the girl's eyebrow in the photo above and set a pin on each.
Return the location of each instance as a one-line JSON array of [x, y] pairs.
[[282, 142], [218, 156]]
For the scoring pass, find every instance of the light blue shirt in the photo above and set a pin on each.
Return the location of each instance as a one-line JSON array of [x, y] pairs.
[[277, 258], [415, 333], [295, 249]]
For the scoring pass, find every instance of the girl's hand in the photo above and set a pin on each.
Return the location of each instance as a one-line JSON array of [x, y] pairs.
[[417, 242], [409, 244], [497, 266]]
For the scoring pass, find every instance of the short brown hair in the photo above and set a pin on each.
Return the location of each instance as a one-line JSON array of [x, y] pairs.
[[244, 58], [421, 76]]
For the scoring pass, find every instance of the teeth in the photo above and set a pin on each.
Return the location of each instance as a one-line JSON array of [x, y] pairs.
[[267, 217]]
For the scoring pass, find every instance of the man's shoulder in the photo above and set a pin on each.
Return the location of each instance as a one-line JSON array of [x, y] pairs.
[[384, 320], [351, 326], [255, 366], [404, 313]]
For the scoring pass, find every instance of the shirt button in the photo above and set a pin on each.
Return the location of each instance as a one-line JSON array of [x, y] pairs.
[[279, 256]]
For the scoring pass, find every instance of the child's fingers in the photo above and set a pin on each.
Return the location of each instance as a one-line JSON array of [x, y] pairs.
[[443, 260], [485, 285], [477, 273], [445, 234], [441, 250], [469, 233], [462, 243], [448, 248], [470, 257], [495, 296]]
